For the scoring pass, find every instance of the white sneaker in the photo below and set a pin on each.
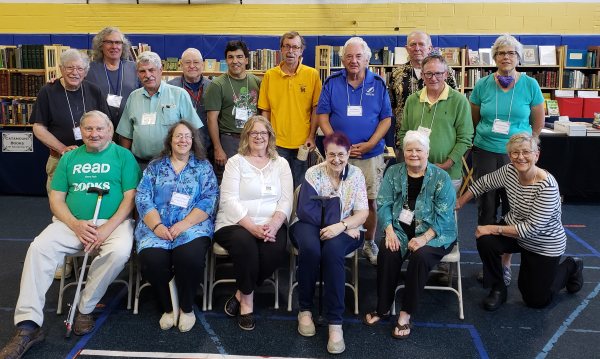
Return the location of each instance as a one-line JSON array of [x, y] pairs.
[[336, 345], [167, 321], [186, 321], [370, 251]]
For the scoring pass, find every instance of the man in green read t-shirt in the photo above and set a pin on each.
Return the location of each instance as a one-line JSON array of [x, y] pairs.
[[98, 163]]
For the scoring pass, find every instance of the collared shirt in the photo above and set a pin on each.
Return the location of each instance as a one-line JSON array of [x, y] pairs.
[[372, 95], [197, 180], [442, 97], [290, 100], [199, 103], [170, 103]]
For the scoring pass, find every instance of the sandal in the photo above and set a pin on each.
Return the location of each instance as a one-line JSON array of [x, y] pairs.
[[246, 321], [400, 327], [373, 315]]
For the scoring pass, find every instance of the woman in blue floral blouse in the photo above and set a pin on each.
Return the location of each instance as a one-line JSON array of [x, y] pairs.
[[415, 210], [176, 201]]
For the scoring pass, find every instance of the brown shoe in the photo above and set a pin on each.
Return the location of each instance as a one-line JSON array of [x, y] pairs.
[[84, 323], [21, 342]]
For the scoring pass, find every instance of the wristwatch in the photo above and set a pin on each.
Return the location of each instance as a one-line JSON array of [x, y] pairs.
[[345, 225]]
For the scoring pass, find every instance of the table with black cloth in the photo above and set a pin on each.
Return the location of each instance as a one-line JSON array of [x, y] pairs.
[[575, 163], [23, 173]]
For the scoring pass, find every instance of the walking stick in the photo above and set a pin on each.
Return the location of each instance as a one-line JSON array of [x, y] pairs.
[[73, 309]]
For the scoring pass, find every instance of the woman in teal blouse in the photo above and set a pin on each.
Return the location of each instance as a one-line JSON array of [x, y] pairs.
[[415, 210]]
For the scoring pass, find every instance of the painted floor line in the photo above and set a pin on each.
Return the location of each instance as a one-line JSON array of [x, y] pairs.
[[565, 325], [582, 242], [211, 333], [583, 330], [122, 354], [17, 239]]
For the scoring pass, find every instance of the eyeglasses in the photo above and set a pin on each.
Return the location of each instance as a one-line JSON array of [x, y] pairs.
[[419, 44], [291, 47], [526, 154], [110, 42], [438, 75], [340, 155], [506, 53], [70, 69], [179, 136], [255, 134], [192, 63]]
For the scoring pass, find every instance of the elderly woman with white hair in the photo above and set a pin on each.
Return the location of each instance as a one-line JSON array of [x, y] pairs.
[[502, 104], [415, 209], [532, 227], [112, 70]]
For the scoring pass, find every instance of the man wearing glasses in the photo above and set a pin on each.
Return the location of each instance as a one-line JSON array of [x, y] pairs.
[[289, 94], [195, 84], [152, 109], [60, 105], [406, 79], [442, 114], [112, 70]]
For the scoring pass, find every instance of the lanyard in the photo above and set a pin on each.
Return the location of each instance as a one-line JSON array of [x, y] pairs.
[[361, 92], [119, 88], [437, 101], [511, 101], [235, 97], [69, 104], [195, 98]]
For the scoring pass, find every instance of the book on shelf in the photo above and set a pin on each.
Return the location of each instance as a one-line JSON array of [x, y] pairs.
[[530, 55], [22, 57], [596, 55], [473, 58], [171, 64], [547, 55], [211, 65], [223, 66], [387, 57], [576, 58], [485, 57], [451, 55], [376, 57], [15, 112], [552, 107], [400, 55]]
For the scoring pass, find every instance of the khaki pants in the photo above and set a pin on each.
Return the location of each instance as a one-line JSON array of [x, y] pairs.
[[50, 168]]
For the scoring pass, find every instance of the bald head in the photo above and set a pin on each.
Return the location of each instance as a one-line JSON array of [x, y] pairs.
[[192, 65]]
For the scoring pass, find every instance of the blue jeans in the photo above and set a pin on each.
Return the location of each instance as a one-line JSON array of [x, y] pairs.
[[331, 253], [298, 167]]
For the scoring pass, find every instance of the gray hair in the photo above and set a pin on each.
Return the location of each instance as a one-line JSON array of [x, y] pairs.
[[99, 114], [356, 41], [415, 136], [149, 56], [192, 50], [507, 40], [434, 57], [412, 33], [71, 55], [98, 42], [521, 138]]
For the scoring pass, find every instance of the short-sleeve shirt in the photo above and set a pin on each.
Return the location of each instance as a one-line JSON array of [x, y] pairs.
[[495, 103], [372, 95], [170, 103], [113, 169], [225, 94], [290, 100]]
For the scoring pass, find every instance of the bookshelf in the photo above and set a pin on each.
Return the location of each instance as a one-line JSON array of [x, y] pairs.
[[24, 69]]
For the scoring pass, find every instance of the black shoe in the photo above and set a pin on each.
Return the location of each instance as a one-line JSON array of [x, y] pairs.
[[84, 323], [494, 300], [21, 342], [246, 321], [575, 281], [232, 306]]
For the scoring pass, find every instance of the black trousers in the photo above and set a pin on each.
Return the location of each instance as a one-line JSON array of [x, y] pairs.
[[389, 265], [253, 259], [540, 277], [185, 262], [485, 162]]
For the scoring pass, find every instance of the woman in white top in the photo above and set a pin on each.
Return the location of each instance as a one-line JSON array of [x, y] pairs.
[[256, 200]]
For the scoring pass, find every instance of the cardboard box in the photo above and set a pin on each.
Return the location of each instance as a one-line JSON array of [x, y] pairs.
[[570, 128], [590, 105], [572, 107]]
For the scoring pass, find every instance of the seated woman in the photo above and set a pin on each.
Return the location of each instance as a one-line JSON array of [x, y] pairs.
[[415, 210], [326, 241], [176, 201], [532, 227], [256, 200]]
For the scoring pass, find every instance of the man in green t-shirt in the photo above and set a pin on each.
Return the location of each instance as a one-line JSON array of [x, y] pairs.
[[230, 101], [98, 163]]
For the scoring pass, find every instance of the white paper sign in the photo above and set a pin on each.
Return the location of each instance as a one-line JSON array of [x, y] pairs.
[[17, 142]]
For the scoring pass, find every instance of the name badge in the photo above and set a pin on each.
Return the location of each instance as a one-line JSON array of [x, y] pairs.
[[114, 100], [424, 130], [354, 111], [180, 200], [268, 189], [406, 216], [77, 133], [501, 126], [149, 119], [241, 116]]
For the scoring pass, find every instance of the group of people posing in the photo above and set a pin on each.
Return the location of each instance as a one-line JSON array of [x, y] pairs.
[[221, 162]]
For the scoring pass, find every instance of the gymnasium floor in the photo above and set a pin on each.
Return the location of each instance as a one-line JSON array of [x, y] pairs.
[[569, 328]]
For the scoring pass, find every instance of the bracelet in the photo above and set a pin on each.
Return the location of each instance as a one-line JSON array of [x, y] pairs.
[[154, 228]]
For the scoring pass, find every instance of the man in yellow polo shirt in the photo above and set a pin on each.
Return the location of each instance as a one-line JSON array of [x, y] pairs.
[[289, 94]]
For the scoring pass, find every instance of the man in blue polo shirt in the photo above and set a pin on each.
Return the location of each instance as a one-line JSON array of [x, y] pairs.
[[355, 101]]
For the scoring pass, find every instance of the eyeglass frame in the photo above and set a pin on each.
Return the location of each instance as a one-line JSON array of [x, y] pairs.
[[180, 136], [430, 75], [256, 134], [510, 54], [70, 69], [111, 42], [294, 48], [526, 154]]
